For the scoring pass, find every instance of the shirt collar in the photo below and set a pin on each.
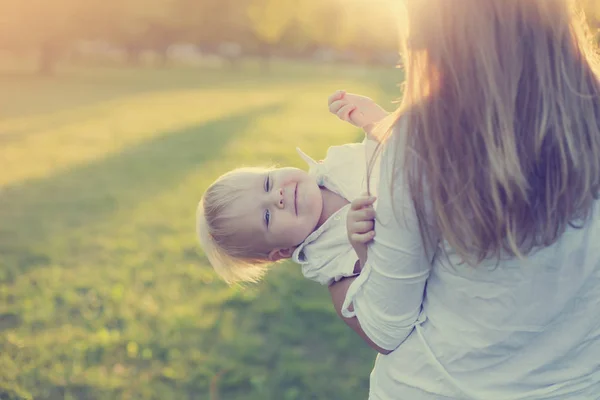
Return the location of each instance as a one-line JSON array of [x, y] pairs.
[[315, 168], [307, 159]]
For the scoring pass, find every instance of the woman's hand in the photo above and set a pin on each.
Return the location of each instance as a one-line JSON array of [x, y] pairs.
[[360, 224], [355, 109]]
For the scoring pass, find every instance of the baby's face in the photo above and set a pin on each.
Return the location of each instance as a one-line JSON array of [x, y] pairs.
[[279, 208]]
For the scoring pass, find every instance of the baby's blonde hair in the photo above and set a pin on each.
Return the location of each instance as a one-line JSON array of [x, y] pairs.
[[219, 234]]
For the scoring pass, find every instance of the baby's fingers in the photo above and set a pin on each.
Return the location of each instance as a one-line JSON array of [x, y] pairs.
[[362, 226], [337, 105], [337, 95], [344, 112], [365, 214], [363, 238], [362, 202]]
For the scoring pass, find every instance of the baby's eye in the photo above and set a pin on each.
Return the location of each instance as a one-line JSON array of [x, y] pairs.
[[267, 217], [267, 183]]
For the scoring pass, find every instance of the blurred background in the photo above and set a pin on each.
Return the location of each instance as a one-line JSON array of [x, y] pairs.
[[114, 118]]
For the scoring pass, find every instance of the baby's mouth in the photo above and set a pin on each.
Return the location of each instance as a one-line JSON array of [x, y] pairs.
[[296, 199]]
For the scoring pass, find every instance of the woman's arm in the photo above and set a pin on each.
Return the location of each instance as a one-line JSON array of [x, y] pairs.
[[338, 294], [383, 304]]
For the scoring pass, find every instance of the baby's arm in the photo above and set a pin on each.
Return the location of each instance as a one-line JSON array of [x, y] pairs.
[[360, 224], [358, 110], [340, 261]]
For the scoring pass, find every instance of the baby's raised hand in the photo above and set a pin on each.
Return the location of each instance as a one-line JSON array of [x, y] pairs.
[[360, 224], [358, 110]]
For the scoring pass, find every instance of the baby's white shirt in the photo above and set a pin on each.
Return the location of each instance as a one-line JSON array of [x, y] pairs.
[[326, 255]]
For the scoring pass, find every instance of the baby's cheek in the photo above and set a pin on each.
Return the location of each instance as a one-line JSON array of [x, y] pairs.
[[293, 232]]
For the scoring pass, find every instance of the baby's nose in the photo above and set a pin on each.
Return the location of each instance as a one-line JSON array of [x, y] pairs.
[[279, 198]]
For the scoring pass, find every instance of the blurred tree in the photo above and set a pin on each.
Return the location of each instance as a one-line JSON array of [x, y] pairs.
[[369, 43], [209, 23], [325, 23], [269, 20], [46, 27], [264, 26], [360, 27], [138, 24]]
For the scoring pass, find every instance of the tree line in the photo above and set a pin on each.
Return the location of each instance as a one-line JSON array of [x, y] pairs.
[[260, 27]]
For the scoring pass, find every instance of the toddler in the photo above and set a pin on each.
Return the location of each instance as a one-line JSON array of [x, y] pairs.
[[252, 217]]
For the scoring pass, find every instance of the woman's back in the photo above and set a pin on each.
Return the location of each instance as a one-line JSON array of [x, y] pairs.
[[505, 146], [508, 330]]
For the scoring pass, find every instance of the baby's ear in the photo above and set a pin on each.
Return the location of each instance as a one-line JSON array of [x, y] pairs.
[[281, 254]]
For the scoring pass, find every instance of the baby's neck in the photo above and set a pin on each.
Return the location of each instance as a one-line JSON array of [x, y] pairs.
[[332, 202]]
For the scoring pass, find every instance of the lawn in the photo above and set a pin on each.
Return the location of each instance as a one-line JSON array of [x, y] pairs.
[[104, 291]]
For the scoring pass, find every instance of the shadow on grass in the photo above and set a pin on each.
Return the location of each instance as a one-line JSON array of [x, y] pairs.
[[12, 136], [32, 95], [35, 211]]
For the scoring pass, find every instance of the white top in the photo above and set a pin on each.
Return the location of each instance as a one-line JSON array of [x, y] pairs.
[[326, 254], [511, 330]]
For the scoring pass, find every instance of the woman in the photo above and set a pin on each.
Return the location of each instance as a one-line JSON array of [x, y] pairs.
[[483, 280]]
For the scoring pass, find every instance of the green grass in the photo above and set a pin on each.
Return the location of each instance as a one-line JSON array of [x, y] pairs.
[[104, 292]]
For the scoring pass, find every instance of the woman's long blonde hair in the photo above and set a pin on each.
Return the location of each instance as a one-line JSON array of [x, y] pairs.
[[502, 102]]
